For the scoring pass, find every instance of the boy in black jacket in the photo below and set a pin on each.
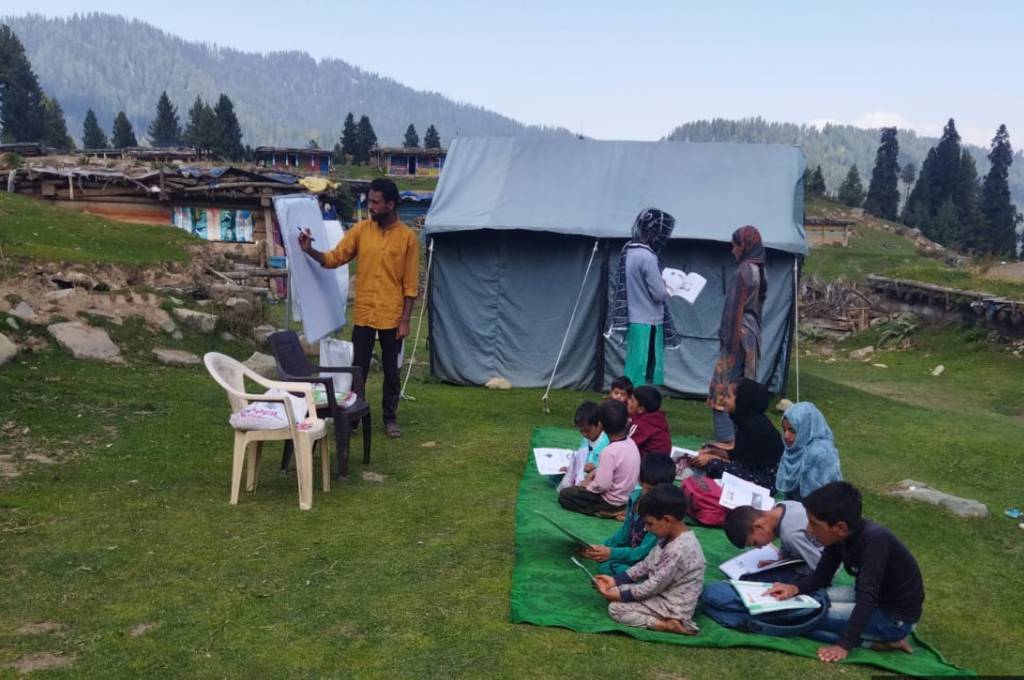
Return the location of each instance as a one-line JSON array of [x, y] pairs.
[[883, 607]]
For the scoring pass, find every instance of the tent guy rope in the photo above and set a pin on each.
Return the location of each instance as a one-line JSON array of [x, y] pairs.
[[419, 326], [565, 338]]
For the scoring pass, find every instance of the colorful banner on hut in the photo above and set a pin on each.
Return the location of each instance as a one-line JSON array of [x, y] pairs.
[[215, 224]]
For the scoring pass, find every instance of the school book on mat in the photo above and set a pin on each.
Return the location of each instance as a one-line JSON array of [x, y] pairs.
[[746, 563], [681, 452], [552, 461], [681, 284], [754, 599], [576, 539], [737, 492]]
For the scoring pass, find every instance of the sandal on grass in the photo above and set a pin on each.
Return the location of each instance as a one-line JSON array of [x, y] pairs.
[[392, 430]]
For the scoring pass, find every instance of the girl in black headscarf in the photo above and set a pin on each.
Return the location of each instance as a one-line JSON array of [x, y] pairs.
[[755, 457]]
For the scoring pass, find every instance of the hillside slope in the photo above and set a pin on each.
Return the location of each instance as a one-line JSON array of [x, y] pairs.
[[836, 147], [876, 247], [109, 63]]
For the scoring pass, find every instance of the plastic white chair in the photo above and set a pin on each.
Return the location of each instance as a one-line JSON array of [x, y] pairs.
[[230, 374]]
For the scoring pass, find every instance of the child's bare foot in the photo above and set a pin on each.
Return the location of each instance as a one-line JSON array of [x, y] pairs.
[[893, 646], [674, 626]]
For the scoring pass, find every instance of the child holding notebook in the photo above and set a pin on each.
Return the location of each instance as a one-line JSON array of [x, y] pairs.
[[661, 592], [605, 491], [885, 603], [592, 442], [632, 542]]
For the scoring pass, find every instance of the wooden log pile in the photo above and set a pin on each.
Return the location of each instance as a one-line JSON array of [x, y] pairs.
[[836, 305]]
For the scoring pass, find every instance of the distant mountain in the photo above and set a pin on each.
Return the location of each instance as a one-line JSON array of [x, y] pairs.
[[837, 147], [108, 63]]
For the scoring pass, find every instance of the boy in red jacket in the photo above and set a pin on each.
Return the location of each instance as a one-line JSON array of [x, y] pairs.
[[649, 429]]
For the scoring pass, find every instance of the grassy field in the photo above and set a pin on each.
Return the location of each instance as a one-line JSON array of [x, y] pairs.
[[130, 544], [29, 227], [409, 577]]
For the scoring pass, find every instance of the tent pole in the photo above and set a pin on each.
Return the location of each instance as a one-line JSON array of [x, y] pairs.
[[572, 317], [796, 321], [419, 326]]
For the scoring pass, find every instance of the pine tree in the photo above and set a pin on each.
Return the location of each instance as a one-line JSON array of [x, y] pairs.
[[945, 225], [123, 134], [431, 140], [1000, 215], [21, 98], [165, 130], [337, 157], [199, 133], [948, 180], [816, 185], [55, 128], [92, 135], [227, 133], [908, 175], [349, 139], [412, 140], [366, 139], [312, 144], [883, 197], [851, 191], [967, 198]]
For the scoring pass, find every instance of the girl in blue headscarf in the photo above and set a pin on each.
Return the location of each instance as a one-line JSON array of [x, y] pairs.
[[810, 460]]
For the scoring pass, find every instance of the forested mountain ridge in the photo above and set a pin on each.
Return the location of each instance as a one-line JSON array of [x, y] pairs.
[[836, 147], [108, 63]]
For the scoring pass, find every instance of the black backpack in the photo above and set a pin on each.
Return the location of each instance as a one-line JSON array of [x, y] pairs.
[[722, 603]]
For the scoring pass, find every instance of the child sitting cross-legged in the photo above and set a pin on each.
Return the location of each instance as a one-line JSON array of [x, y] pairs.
[[885, 603], [660, 592], [748, 527], [592, 442], [605, 491], [649, 425], [632, 542]]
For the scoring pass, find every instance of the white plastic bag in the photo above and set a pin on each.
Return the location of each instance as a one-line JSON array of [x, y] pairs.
[[338, 354], [269, 415]]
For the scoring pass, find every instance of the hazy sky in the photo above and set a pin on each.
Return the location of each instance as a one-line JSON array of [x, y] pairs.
[[617, 70]]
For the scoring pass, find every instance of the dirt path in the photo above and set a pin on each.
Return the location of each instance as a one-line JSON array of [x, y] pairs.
[[1012, 271]]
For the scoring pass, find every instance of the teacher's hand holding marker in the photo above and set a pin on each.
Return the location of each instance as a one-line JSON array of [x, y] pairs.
[[306, 243]]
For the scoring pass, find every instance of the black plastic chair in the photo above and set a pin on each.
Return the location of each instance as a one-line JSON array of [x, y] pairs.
[[294, 365]]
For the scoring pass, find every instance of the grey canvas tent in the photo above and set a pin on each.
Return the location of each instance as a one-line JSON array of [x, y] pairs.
[[514, 225]]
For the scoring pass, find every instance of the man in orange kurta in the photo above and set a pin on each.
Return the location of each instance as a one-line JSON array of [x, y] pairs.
[[387, 283]]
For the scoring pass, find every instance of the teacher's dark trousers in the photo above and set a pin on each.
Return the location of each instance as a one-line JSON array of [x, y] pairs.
[[390, 347]]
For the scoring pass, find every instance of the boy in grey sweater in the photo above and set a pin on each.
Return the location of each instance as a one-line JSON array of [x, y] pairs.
[[747, 527]]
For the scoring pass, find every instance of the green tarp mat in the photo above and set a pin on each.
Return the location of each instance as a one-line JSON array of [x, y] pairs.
[[548, 590]]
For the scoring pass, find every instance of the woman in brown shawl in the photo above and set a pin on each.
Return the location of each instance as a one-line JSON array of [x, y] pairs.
[[740, 332]]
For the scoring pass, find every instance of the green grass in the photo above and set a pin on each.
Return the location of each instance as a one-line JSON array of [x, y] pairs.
[[410, 577], [958, 278], [371, 172], [36, 229], [875, 251]]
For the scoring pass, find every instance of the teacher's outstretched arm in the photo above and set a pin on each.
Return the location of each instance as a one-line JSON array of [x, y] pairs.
[[306, 243]]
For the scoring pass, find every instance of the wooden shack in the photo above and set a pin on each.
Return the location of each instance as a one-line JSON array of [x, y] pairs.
[[409, 161], [301, 161], [826, 231]]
